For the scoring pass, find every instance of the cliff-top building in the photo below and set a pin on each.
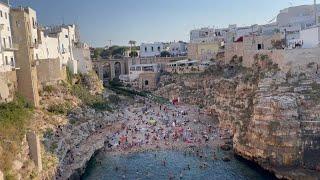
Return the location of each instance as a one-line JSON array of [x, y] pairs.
[[25, 33], [8, 81]]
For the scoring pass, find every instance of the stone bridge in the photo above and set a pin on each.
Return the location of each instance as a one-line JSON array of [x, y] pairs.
[[109, 69]]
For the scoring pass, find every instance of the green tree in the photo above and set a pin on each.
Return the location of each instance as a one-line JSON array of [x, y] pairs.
[[165, 54]]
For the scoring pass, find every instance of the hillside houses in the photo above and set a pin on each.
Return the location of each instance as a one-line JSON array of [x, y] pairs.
[[34, 56]]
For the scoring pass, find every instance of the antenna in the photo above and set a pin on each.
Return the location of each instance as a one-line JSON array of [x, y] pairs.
[[315, 12]]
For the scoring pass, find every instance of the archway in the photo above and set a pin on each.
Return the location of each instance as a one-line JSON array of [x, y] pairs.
[[117, 69]]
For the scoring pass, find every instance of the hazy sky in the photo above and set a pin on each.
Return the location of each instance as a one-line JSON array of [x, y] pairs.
[[152, 20]]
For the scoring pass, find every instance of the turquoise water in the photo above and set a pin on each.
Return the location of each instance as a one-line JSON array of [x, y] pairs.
[[149, 165]]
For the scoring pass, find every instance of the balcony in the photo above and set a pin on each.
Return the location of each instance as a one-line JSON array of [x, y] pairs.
[[13, 47]]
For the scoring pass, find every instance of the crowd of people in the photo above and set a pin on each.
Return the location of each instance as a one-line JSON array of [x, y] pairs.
[[148, 125]]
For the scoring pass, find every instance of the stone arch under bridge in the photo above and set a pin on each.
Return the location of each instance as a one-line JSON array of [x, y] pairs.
[[109, 69]]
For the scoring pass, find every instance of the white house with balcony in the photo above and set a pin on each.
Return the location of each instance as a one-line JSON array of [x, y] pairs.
[[151, 49], [7, 60], [67, 37]]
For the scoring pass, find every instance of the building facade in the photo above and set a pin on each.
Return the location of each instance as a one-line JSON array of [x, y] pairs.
[[81, 53], [178, 48], [151, 49], [24, 30], [67, 37]]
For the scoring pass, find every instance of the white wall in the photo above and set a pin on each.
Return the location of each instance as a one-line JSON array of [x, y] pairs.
[[310, 37], [178, 48], [82, 55], [150, 50], [48, 49], [7, 60]]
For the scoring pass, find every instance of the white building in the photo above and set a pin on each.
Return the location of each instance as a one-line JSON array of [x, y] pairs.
[[136, 70], [203, 35], [7, 60], [151, 49], [66, 35], [178, 48], [48, 47], [81, 53], [310, 37], [298, 15]]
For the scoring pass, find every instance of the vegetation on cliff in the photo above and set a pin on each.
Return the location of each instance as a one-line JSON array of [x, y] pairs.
[[14, 119]]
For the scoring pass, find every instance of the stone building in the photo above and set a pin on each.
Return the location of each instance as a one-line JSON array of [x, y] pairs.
[[203, 51], [148, 81], [25, 33]]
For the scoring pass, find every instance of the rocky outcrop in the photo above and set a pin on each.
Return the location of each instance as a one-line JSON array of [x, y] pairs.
[[275, 118], [76, 143]]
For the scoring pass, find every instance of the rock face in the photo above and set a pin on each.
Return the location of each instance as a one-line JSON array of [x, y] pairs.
[[275, 119], [75, 144]]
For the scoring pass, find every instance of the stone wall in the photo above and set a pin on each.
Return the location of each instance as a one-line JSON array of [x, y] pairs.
[[193, 51], [234, 49], [34, 149], [8, 86], [48, 71], [148, 81], [277, 56]]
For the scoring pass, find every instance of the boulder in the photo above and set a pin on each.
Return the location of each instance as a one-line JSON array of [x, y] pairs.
[[225, 147], [226, 159]]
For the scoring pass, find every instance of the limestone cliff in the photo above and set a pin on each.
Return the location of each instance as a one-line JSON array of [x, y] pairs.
[[274, 116]]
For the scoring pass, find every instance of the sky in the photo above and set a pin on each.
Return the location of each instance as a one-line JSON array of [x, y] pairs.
[[152, 20]]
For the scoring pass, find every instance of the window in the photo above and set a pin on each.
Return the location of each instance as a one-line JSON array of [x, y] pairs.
[[18, 23], [145, 49], [152, 49], [4, 42], [6, 15], [260, 46], [6, 58], [10, 43], [33, 23], [1, 14], [146, 82], [12, 62], [159, 48], [66, 36], [37, 56]]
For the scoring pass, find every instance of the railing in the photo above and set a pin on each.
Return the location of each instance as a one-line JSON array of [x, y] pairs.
[[13, 47]]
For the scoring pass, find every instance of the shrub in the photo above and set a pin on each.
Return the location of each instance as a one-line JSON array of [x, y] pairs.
[[48, 89], [97, 102], [62, 108], [14, 118], [114, 99]]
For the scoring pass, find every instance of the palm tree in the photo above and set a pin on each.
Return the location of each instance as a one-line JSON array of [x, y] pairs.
[[132, 42]]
